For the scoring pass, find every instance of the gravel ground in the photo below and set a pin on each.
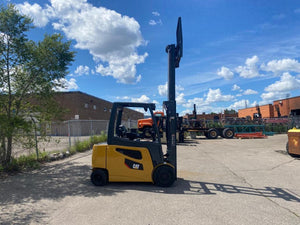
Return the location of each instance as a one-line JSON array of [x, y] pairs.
[[55, 143]]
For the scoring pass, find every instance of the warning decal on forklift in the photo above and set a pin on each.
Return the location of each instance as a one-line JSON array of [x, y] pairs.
[[133, 165]]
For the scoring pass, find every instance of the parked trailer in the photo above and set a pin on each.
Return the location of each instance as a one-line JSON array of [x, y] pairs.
[[210, 131], [213, 133]]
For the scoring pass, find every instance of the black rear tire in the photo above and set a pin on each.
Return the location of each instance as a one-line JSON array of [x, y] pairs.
[[164, 176], [99, 177], [228, 133]]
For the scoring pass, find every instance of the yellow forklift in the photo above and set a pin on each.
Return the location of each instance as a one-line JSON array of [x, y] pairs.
[[126, 157]]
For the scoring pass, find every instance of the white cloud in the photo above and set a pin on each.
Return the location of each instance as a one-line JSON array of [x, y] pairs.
[[250, 70], [180, 99], [269, 97], [152, 22], [111, 38], [287, 83], [250, 92], [225, 73], [155, 22], [143, 98], [179, 88], [155, 13], [242, 104], [184, 112], [163, 89], [40, 16], [215, 95], [155, 102], [283, 65], [138, 78], [239, 104], [81, 70], [68, 84], [281, 88], [123, 98], [204, 104], [198, 101], [123, 69], [235, 87]]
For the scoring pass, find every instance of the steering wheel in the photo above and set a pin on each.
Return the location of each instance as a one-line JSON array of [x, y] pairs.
[[153, 134], [122, 131]]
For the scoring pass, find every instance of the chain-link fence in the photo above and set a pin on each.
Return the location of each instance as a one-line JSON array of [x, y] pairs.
[[60, 136], [78, 128]]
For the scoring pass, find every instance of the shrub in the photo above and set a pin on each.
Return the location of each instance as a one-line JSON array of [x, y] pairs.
[[98, 139], [29, 162], [82, 146]]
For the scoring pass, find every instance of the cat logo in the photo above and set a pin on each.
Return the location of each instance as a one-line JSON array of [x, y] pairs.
[[135, 166]]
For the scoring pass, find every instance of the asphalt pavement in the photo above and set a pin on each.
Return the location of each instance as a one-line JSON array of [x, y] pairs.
[[222, 181]]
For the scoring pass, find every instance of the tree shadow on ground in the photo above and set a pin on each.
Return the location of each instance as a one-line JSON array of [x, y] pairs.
[[71, 178], [20, 192]]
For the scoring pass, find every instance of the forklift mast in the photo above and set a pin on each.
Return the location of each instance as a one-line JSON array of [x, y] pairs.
[[174, 56]]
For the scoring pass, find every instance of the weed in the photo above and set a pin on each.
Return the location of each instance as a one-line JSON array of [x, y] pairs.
[[30, 162]]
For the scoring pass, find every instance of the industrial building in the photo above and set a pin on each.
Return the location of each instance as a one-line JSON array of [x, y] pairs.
[[82, 106], [279, 108]]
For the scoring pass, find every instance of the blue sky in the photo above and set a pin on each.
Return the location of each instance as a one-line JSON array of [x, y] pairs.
[[236, 52]]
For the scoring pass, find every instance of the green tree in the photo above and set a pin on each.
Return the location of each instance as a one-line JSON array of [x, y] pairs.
[[29, 74], [231, 111]]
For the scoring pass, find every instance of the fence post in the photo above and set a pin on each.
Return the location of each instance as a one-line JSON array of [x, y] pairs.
[[35, 138], [36, 142], [69, 134], [91, 134]]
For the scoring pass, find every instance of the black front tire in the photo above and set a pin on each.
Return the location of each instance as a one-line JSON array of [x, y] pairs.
[[164, 176], [99, 177], [212, 133]]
